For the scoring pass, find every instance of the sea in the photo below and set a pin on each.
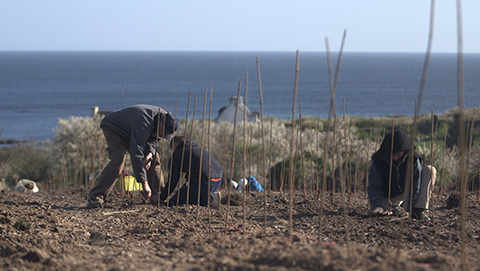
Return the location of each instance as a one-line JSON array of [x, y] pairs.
[[37, 88]]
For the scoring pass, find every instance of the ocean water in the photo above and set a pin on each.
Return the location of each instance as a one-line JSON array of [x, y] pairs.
[[38, 88]]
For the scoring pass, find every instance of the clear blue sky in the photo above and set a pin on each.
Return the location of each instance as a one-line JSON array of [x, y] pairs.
[[231, 25]]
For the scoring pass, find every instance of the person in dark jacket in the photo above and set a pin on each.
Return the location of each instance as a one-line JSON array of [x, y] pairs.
[[197, 175], [135, 129], [398, 190]]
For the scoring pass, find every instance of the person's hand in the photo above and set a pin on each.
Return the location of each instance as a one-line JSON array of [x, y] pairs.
[[147, 192], [147, 161], [375, 211]]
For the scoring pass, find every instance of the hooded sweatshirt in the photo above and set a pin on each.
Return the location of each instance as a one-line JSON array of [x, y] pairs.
[[380, 169], [215, 171], [135, 124]]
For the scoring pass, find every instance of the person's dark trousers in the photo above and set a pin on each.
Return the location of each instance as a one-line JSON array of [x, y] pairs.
[[116, 153], [193, 195], [117, 148]]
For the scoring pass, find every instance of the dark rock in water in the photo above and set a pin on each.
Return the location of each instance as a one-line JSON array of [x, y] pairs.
[[9, 141]]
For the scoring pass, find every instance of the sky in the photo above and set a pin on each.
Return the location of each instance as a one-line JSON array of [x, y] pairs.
[[231, 25]]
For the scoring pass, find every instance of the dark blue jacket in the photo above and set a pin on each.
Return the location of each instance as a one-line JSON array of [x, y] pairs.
[[207, 172], [379, 174]]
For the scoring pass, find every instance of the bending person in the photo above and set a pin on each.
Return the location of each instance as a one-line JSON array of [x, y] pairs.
[[133, 129], [190, 152]]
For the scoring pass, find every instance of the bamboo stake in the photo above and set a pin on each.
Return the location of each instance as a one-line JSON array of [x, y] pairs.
[[201, 159], [462, 135], [244, 155], [367, 165], [334, 148], [391, 164], [334, 88], [432, 147], [160, 116], [443, 156], [356, 164], [179, 185], [330, 112], [347, 179], [283, 171], [470, 146], [410, 160], [266, 182], [317, 143], [344, 208], [189, 181], [225, 159], [297, 68], [157, 154], [432, 142], [210, 158], [233, 156], [93, 158], [270, 161], [302, 173], [171, 160]]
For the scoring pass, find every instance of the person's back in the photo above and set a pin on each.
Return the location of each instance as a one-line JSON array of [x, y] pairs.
[[186, 159], [210, 167]]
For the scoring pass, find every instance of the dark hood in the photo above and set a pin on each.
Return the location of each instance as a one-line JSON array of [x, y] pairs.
[[171, 124], [402, 142]]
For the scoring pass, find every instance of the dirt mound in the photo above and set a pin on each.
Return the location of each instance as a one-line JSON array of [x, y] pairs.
[[52, 230]]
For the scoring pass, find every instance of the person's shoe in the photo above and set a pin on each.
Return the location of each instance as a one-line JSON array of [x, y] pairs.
[[419, 214], [92, 204], [399, 211], [216, 197]]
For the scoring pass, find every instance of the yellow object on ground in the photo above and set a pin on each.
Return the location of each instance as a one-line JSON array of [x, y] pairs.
[[128, 183]]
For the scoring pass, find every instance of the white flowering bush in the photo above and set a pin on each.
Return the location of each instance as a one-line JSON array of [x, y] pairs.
[[79, 150]]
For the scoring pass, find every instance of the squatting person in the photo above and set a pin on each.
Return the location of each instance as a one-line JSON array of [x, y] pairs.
[[379, 176], [191, 152], [135, 129]]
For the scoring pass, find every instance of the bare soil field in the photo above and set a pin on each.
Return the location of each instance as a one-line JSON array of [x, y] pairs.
[[52, 230]]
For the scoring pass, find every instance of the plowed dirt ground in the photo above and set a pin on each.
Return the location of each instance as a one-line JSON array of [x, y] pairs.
[[52, 230]]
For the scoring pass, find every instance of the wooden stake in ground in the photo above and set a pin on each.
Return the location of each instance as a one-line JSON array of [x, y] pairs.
[[463, 232], [201, 158], [330, 112], [189, 181], [163, 117], [171, 159], [391, 163], [263, 175], [244, 180], [183, 154], [470, 145], [209, 159], [443, 155], [292, 182], [345, 137], [233, 156]]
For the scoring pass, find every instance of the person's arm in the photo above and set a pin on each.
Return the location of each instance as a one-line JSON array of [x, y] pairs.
[[138, 142], [375, 186]]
